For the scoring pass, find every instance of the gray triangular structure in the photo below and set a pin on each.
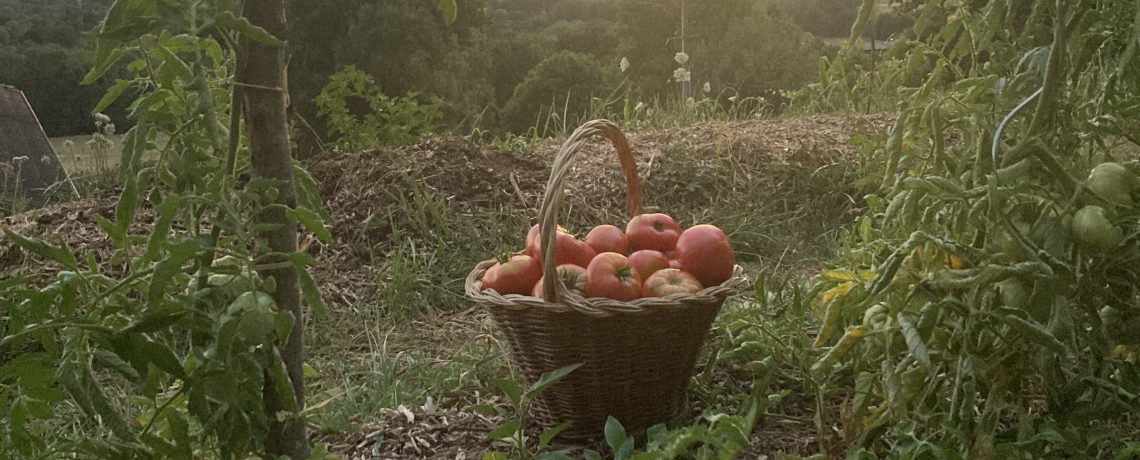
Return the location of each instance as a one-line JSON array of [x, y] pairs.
[[24, 145]]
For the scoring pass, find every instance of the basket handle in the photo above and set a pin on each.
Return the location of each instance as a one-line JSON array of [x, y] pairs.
[[553, 289]]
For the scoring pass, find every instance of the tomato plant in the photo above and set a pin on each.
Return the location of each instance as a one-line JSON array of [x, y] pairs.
[[196, 341], [965, 308]]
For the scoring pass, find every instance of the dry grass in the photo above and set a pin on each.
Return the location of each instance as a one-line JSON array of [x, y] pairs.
[[80, 156]]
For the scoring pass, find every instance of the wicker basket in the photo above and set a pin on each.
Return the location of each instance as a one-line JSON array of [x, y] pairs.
[[638, 356]]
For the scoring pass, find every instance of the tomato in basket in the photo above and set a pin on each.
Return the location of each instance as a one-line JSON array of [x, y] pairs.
[[516, 276]]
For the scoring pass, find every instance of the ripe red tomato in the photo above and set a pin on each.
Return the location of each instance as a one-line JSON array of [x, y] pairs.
[[567, 249], [611, 275], [573, 276], [652, 231], [516, 276], [704, 252], [670, 281], [607, 238], [647, 261]]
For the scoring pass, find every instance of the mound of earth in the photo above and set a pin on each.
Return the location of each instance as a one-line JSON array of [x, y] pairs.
[[687, 165]]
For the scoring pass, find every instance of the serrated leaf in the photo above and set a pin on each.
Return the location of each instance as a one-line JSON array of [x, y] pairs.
[[1035, 333], [37, 246], [449, 10], [311, 221], [512, 390], [105, 56], [505, 431], [309, 288], [128, 204], [242, 25], [40, 410], [283, 325], [47, 394], [846, 343], [894, 388], [549, 378], [914, 340], [840, 275], [113, 361], [862, 393], [283, 384], [615, 434], [166, 269], [112, 94], [163, 217]]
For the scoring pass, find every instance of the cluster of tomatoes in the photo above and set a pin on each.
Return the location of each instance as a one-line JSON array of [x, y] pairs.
[[653, 257]]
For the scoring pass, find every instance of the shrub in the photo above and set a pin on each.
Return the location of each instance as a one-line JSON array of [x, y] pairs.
[[562, 84], [364, 117]]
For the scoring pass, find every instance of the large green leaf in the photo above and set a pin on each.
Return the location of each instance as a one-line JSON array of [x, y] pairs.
[[165, 270], [38, 247], [309, 289], [549, 378]]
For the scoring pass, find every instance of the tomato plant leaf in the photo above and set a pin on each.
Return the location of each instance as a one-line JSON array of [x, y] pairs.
[[512, 390], [913, 340], [549, 434], [549, 378], [228, 20], [311, 221], [105, 56], [113, 94], [165, 270], [615, 434], [506, 430], [38, 247], [309, 288], [163, 217]]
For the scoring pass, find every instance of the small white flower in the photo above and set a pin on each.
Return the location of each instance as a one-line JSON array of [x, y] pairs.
[[732, 99], [639, 107], [681, 58], [624, 64], [707, 87], [681, 74], [102, 118]]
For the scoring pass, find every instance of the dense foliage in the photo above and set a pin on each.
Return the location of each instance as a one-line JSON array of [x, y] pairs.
[[175, 348], [985, 305]]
